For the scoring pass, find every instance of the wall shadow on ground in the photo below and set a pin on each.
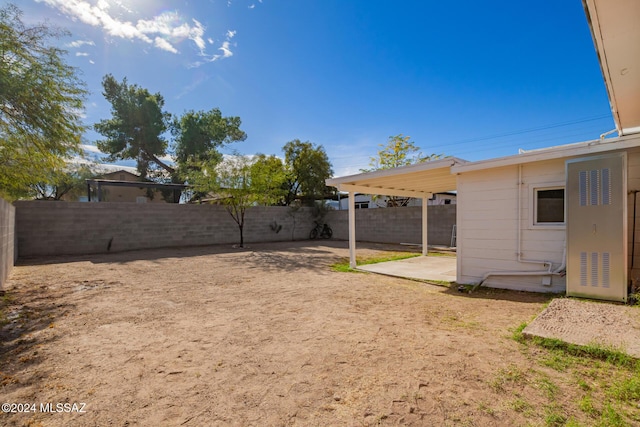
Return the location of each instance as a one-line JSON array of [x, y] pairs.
[[267, 252]]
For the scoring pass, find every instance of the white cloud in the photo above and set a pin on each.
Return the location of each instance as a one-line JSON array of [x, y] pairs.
[[226, 53], [161, 43], [82, 54], [164, 31], [91, 61], [196, 34], [80, 43], [225, 48], [90, 149]]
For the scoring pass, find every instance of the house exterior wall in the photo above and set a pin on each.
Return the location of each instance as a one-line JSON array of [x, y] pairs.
[[115, 194], [7, 240], [488, 226]]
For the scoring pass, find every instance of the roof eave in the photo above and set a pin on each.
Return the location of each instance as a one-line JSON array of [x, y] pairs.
[[562, 151]]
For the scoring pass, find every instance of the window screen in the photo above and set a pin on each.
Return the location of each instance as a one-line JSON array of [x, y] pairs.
[[550, 206]]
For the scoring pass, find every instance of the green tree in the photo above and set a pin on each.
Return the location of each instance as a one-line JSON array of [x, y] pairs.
[[308, 167], [398, 151], [69, 181], [136, 128], [41, 101], [239, 182], [199, 134], [268, 177]]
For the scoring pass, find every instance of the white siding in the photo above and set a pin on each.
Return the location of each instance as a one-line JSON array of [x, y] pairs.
[[488, 226]]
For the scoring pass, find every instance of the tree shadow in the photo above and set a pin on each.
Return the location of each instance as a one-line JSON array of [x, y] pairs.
[[27, 313]]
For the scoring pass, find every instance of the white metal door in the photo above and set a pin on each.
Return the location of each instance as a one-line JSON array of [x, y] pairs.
[[596, 219]]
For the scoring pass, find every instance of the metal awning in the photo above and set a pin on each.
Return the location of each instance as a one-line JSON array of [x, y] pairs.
[[420, 180], [417, 180], [99, 183]]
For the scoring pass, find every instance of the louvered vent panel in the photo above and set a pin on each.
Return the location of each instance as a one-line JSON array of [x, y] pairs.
[[606, 187], [582, 184], [605, 269], [583, 269], [594, 268], [597, 218], [594, 187]]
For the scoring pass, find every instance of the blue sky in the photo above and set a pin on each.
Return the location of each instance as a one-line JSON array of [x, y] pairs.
[[470, 79]]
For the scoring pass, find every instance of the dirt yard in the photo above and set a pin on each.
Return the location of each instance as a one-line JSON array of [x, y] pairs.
[[267, 336]]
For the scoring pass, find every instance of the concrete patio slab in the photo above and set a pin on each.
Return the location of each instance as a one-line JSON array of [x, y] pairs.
[[588, 322], [437, 268]]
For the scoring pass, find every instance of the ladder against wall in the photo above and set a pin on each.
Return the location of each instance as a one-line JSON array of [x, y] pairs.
[[453, 236]]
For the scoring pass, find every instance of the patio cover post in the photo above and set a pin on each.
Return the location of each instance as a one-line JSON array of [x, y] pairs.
[[425, 248], [352, 228]]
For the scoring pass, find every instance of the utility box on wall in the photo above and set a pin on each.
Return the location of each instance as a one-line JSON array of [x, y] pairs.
[[596, 224]]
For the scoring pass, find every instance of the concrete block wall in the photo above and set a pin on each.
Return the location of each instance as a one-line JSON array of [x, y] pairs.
[[64, 228], [61, 228], [8, 254], [396, 225]]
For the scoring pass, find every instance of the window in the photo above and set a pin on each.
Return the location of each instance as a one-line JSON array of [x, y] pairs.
[[549, 206], [362, 205]]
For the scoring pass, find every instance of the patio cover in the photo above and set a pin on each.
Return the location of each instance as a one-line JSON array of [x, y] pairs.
[[420, 180]]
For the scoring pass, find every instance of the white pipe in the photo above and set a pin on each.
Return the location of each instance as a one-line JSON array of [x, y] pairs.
[[520, 259], [516, 273]]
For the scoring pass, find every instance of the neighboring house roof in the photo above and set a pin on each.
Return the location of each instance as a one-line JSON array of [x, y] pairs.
[[615, 27], [116, 173]]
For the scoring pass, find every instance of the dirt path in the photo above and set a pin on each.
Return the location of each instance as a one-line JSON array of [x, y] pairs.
[[263, 336]]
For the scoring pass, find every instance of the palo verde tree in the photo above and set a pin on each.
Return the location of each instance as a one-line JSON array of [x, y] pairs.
[[41, 101], [398, 151], [239, 182], [136, 128], [268, 176], [308, 167]]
